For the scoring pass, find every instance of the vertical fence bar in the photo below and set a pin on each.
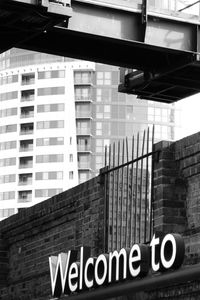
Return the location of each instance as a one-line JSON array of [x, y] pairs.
[[127, 195], [113, 199], [131, 194], [141, 186], [117, 204], [105, 159], [146, 188], [136, 189], [152, 176], [109, 190], [122, 195]]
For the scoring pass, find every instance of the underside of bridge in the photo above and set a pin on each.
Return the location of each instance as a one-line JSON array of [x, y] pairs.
[[158, 56]]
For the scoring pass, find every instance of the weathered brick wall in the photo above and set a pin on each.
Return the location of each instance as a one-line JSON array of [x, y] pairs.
[[177, 191], [177, 204], [67, 221]]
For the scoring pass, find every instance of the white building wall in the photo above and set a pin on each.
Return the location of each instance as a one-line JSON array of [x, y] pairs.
[[68, 150]]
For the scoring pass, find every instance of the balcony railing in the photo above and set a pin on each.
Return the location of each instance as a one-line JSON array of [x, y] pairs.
[[84, 148], [26, 131], [86, 81], [27, 98], [27, 115], [83, 114], [26, 148], [25, 182], [28, 81], [83, 131], [83, 99], [26, 165], [84, 165], [25, 199]]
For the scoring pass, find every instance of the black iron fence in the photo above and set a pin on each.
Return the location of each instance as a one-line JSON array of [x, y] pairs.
[[128, 191]]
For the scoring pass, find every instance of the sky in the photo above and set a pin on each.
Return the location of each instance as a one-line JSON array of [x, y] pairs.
[[190, 116]]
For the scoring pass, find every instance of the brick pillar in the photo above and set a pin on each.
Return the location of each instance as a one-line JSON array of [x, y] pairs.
[[169, 191], [3, 264]]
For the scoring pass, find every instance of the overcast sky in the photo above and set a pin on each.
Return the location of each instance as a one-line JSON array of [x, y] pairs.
[[190, 116]]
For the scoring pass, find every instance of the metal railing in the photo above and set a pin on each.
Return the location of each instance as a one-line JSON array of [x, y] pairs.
[[183, 9], [127, 182]]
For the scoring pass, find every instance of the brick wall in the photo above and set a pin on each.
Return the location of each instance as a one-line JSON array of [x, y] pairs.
[[67, 221], [177, 204], [76, 217]]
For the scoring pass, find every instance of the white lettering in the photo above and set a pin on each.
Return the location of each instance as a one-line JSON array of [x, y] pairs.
[[134, 258]]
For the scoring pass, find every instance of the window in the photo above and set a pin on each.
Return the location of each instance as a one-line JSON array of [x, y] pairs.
[[99, 162], [8, 112], [47, 192], [7, 212], [27, 95], [8, 145], [25, 196], [103, 111], [103, 78], [83, 144], [83, 127], [5, 162], [52, 158], [28, 78], [8, 128], [51, 107], [100, 145], [84, 161], [98, 128], [82, 93], [49, 175], [26, 128], [82, 77], [49, 91], [84, 176], [52, 141], [7, 195], [27, 112], [83, 110], [25, 162], [50, 124], [71, 175], [25, 179], [8, 79], [103, 95], [7, 178], [71, 158], [51, 74], [8, 96]]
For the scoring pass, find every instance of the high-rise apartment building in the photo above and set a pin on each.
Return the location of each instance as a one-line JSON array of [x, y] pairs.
[[56, 116]]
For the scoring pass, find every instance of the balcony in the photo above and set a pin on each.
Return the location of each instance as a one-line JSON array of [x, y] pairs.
[[25, 115], [83, 99], [26, 165], [24, 196], [25, 182], [27, 95], [26, 131], [84, 148], [26, 128], [83, 131], [84, 165], [83, 115], [26, 148], [25, 162], [28, 79]]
